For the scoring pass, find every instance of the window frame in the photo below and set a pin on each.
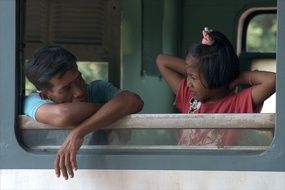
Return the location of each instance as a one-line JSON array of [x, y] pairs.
[[247, 57], [243, 23], [246, 25]]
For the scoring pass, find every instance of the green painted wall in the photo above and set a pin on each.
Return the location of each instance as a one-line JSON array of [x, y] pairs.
[[154, 91], [222, 15]]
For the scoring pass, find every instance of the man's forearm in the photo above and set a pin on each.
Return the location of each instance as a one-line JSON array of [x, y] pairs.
[[78, 112], [66, 114], [123, 104], [119, 106]]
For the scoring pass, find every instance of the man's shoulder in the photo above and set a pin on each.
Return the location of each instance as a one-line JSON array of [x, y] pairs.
[[101, 84], [100, 91], [34, 97], [98, 83], [32, 102]]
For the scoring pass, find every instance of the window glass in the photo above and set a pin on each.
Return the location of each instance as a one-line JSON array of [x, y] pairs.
[[29, 87], [249, 139], [261, 33], [261, 38], [93, 70]]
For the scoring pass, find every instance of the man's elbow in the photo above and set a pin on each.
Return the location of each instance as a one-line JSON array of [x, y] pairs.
[[140, 103], [135, 103]]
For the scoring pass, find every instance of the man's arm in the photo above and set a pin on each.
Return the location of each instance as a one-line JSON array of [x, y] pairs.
[[119, 106], [263, 84], [66, 114], [172, 70]]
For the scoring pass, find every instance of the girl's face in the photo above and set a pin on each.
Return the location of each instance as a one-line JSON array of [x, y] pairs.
[[196, 81]]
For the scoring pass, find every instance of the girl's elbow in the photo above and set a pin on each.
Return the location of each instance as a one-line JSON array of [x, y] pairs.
[[273, 83], [159, 59]]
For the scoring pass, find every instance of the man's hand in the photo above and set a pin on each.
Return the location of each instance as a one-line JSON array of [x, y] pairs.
[[119, 106], [65, 161]]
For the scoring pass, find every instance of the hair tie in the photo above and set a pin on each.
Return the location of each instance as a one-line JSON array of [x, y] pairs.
[[206, 29]]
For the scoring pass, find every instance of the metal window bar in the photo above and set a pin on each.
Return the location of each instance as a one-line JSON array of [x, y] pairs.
[[170, 121], [176, 121]]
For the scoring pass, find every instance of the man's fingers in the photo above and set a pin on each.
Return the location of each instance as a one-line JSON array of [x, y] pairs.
[[56, 165], [73, 160], [62, 166], [68, 165], [65, 161]]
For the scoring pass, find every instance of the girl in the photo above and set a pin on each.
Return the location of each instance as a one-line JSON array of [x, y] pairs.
[[211, 72]]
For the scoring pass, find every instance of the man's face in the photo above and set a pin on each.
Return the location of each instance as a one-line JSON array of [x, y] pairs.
[[68, 88]]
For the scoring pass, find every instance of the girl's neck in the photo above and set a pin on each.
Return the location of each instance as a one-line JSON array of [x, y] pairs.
[[217, 94]]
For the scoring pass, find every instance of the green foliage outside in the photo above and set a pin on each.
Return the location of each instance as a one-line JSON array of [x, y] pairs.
[[93, 71], [261, 33]]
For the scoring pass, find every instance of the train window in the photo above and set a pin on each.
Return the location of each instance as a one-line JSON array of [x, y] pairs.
[[261, 33], [245, 166], [260, 47], [83, 46]]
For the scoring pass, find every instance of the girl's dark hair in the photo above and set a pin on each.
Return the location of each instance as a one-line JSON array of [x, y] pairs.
[[47, 62], [218, 63], [223, 40]]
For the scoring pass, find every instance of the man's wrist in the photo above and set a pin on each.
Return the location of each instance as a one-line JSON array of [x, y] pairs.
[[79, 132]]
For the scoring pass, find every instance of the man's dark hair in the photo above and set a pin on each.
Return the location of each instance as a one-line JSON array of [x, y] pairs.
[[47, 62]]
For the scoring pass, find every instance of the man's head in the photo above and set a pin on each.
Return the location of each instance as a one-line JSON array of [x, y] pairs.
[[54, 73]]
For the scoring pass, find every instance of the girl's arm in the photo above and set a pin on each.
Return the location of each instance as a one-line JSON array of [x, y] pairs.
[[172, 70], [263, 84]]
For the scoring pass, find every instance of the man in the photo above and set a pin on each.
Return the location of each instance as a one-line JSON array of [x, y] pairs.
[[63, 99]]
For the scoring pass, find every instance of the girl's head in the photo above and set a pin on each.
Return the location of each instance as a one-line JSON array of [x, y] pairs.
[[215, 55], [210, 67]]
